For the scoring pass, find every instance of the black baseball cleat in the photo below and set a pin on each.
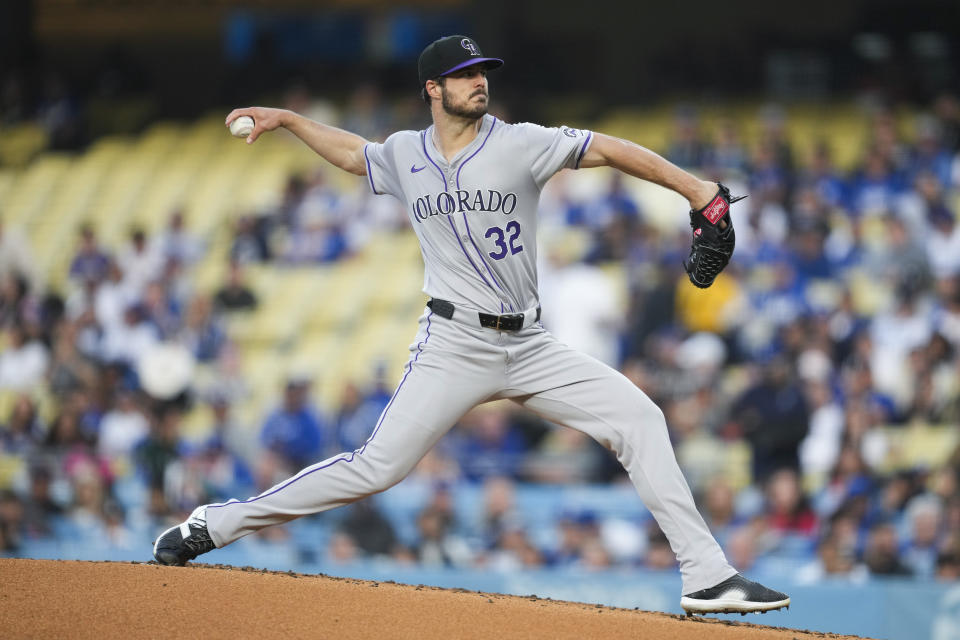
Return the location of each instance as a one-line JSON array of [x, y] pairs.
[[177, 545], [735, 595]]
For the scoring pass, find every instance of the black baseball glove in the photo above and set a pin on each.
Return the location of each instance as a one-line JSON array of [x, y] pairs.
[[713, 239]]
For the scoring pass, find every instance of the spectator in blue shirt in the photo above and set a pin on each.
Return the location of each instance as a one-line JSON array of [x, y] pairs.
[[490, 446], [294, 431], [357, 417], [875, 185], [90, 264]]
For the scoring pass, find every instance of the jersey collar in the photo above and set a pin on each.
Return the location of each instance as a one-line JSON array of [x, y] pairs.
[[485, 124]]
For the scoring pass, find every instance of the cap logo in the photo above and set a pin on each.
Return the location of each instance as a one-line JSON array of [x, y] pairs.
[[468, 44]]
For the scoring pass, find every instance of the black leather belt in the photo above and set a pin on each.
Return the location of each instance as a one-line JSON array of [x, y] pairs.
[[505, 322]]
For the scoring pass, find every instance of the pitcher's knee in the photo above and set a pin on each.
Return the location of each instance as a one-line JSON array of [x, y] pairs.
[[377, 477], [636, 426]]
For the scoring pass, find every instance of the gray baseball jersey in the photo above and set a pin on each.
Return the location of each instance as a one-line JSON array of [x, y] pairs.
[[476, 221], [476, 217]]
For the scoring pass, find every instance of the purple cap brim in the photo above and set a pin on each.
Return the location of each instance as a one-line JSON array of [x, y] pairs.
[[472, 62]]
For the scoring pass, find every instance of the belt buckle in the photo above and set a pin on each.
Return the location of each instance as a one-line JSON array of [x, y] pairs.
[[511, 318]]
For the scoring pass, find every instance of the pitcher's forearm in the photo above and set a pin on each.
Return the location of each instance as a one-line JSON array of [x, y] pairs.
[[338, 147], [642, 163]]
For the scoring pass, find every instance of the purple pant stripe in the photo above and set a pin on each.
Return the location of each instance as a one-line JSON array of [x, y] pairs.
[[352, 454]]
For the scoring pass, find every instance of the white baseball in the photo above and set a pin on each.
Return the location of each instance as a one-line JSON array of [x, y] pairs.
[[242, 126]]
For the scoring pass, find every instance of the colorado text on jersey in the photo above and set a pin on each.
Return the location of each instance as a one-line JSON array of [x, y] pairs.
[[460, 200]]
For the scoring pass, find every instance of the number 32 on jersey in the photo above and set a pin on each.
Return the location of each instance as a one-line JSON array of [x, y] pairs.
[[506, 240]]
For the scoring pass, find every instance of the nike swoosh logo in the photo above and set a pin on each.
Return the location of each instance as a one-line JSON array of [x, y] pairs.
[[414, 169]]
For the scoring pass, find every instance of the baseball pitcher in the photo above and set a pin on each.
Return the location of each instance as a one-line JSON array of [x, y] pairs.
[[470, 184]]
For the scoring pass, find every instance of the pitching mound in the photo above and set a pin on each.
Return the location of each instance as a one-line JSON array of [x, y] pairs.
[[59, 599]]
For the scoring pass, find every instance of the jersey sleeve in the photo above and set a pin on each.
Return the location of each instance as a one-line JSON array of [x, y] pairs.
[[554, 148], [382, 175]]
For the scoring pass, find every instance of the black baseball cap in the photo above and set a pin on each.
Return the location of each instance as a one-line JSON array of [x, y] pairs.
[[449, 54]]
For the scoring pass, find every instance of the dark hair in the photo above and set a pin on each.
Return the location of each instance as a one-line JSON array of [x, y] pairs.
[[423, 91]]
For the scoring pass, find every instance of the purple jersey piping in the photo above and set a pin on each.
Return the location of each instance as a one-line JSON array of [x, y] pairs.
[[369, 174], [353, 454], [467, 224], [456, 234], [583, 149]]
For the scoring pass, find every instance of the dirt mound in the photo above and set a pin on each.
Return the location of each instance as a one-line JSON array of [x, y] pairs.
[[103, 600]]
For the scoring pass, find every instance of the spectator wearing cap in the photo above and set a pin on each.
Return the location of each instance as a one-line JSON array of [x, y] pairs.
[[295, 430]]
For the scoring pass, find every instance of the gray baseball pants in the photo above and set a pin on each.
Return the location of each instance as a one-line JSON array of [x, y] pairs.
[[452, 368]]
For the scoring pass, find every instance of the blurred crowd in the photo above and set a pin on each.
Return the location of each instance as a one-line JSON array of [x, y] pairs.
[[836, 325]]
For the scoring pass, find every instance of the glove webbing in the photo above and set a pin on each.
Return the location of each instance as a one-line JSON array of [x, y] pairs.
[[708, 262]]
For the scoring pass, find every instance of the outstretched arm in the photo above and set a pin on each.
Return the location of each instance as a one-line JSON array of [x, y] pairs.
[[607, 151], [338, 147]]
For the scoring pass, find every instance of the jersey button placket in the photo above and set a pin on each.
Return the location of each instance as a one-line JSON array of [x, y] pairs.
[[453, 186]]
